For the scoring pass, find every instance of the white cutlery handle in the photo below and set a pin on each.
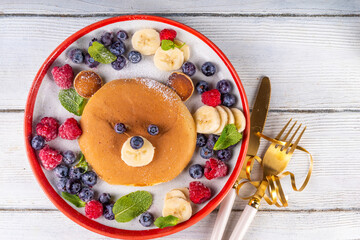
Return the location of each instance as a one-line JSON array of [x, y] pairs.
[[244, 222], [223, 215]]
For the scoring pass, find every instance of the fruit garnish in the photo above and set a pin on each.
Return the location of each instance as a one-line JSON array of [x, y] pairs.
[[146, 219], [76, 56], [188, 68], [168, 60], [184, 48], [89, 178], [168, 34], [47, 128], [70, 129], [50, 157], [71, 101], [215, 168], [168, 221], [137, 151], [100, 53], [208, 69], [169, 44], [117, 48], [177, 207], [132, 205], [86, 83], [146, 41], [63, 76], [229, 136], [211, 98], [119, 63], [181, 84], [240, 121], [74, 199], [228, 99], [93, 209], [82, 163], [207, 119], [199, 193]]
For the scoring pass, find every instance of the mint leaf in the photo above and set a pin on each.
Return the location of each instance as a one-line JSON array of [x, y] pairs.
[[82, 163], [167, 45], [168, 221], [73, 199], [228, 137], [132, 205], [72, 101], [100, 53]]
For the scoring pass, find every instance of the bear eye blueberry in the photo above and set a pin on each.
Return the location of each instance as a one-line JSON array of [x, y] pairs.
[[136, 142], [120, 128], [153, 129]]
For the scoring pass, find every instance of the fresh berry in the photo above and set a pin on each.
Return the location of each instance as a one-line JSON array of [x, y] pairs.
[[105, 198], [153, 129], [146, 219], [196, 171], [90, 62], [108, 212], [76, 56], [224, 155], [117, 48], [201, 140], [215, 168], [188, 68], [202, 87], [134, 56], [224, 86], [93, 209], [86, 194], [206, 152], [198, 192], [63, 76], [122, 35], [69, 157], [167, 34], [61, 171], [47, 128], [93, 40], [136, 142], [73, 186], [89, 178], [211, 141], [106, 39], [119, 63], [70, 129], [228, 100], [61, 184], [49, 157], [211, 98], [37, 142], [208, 69], [75, 173], [120, 128]]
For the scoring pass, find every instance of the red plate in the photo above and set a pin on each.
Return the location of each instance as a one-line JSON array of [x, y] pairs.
[[70, 212]]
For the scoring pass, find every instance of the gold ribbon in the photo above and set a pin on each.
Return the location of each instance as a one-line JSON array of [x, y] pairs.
[[275, 194]]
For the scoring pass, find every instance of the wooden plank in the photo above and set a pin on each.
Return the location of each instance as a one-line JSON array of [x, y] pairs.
[[312, 62], [335, 177], [202, 6]]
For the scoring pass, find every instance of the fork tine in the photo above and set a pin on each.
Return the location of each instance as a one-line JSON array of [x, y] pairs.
[[283, 130], [292, 137], [288, 133], [296, 142]]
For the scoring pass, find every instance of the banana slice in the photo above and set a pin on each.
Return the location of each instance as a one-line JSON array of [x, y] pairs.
[[177, 207], [175, 193], [223, 120], [146, 41], [169, 60], [207, 119], [231, 118], [185, 192], [240, 121], [137, 157], [185, 49]]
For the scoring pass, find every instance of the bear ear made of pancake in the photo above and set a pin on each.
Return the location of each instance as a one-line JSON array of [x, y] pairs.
[[181, 84]]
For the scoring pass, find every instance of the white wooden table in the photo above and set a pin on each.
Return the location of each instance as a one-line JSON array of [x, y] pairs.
[[310, 51]]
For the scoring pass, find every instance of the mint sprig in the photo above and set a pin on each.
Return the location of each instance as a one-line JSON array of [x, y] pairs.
[[168, 44], [229, 136], [132, 205], [100, 53], [168, 221], [82, 163], [72, 101], [74, 199]]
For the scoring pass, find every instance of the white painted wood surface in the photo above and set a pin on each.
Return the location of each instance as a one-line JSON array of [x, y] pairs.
[[311, 52]]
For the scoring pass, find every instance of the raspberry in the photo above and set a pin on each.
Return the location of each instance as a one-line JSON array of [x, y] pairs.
[[93, 209], [50, 158], [167, 34], [47, 128], [63, 76], [215, 168], [70, 129], [211, 98], [199, 193]]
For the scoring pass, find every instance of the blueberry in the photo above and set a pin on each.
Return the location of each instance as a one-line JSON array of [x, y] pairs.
[[196, 171], [73, 186], [89, 178], [76, 55], [224, 155], [136, 142], [146, 219], [134, 56], [90, 62], [61, 184], [106, 39], [206, 152], [202, 87], [69, 157], [93, 40], [37, 142], [61, 171], [122, 35], [117, 48], [208, 69], [224, 86], [105, 198], [108, 213], [201, 140], [119, 63], [153, 129], [228, 99], [212, 140], [120, 128], [188, 68], [86, 194], [75, 173]]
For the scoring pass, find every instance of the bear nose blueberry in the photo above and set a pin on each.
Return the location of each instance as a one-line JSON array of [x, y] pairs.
[[136, 142]]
